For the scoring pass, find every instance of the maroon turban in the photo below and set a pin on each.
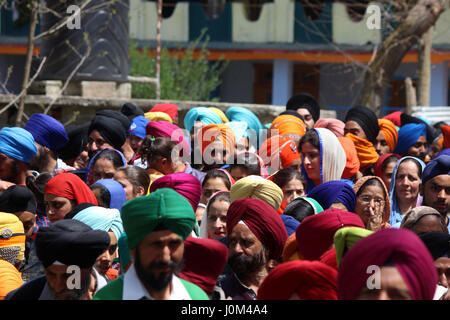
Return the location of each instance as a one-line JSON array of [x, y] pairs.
[[315, 234], [204, 260], [329, 258], [184, 183], [262, 220], [400, 247], [311, 280]]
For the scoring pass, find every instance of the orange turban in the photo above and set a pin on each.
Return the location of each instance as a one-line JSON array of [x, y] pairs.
[[352, 165], [390, 134], [287, 124], [290, 251], [446, 134], [282, 146], [366, 152], [212, 132], [10, 278]]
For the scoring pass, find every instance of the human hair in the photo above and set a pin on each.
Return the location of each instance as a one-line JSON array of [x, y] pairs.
[[154, 149], [417, 163], [105, 196], [111, 155], [220, 196], [248, 162], [387, 161], [439, 124], [282, 177], [372, 182], [299, 209], [216, 173], [37, 185], [137, 176], [312, 137]]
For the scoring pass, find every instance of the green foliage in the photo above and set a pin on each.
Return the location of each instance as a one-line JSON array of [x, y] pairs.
[[182, 78]]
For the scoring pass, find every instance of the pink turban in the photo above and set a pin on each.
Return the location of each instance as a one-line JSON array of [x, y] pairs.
[[166, 129], [334, 125]]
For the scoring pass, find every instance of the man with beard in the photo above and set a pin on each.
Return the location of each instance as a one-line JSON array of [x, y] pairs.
[[256, 238], [68, 250], [156, 227], [435, 187], [49, 135], [17, 148]]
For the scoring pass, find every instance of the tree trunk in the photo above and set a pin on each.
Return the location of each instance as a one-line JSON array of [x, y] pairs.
[[410, 96], [420, 18], [424, 81]]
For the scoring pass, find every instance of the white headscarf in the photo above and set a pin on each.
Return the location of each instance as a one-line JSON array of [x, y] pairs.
[[203, 223], [333, 155]]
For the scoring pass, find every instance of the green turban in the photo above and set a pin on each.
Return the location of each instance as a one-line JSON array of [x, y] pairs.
[[163, 208], [346, 237]]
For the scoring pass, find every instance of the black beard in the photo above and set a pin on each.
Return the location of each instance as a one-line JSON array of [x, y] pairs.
[[73, 294], [243, 265]]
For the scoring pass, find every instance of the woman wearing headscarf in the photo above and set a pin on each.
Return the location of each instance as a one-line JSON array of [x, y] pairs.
[[109, 193], [404, 188], [214, 220], [257, 187], [255, 126], [279, 152], [372, 203], [104, 165], [387, 137], [300, 280], [63, 192], [384, 167], [412, 141], [405, 267], [323, 157], [334, 125], [334, 194], [424, 219]]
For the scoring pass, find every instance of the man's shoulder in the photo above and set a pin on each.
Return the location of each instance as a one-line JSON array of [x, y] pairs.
[[112, 291], [194, 291], [29, 291]]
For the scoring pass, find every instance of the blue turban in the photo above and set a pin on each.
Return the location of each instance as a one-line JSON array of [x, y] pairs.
[[329, 192], [436, 167], [290, 223], [99, 218], [202, 114], [444, 152], [47, 131], [17, 143], [137, 127], [116, 191], [239, 129], [236, 113], [408, 135]]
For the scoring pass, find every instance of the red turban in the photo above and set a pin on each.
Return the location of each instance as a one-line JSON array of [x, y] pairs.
[[446, 135], [395, 117], [70, 186], [262, 220], [315, 234], [281, 146], [400, 247], [352, 165], [169, 108], [198, 271], [329, 258], [184, 183], [311, 280]]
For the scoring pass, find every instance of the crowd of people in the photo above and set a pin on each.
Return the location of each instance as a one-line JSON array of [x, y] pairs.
[[135, 205]]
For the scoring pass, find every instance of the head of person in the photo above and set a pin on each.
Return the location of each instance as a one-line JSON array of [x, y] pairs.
[[254, 125], [259, 188], [323, 158], [291, 182], [307, 106], [372, 202], [302, 207], [159, 154], [169, 108], [424, 219], [386, 139], [37, 186], [12, 239], [403, 265], [334, 194], [412, 141], [288, 126], [164, 129], [63, 192], [156, 226], [245, 164], [109, 193], [362, 122], [75, 152], [107, 220], [334, 125], [256, 237], [17, 148], [10, 278], [384, 167], [20, 201], [435, 187], [218, 145], [436, 146], [65, 244], [279, 152], [214, 220], [137, 132], [134, 180], [438, 243], [104, 165], [130, 110], [202, 116], [345, 238], [215, 180]]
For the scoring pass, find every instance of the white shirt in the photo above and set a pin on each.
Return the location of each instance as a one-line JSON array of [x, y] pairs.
[[133, 289]]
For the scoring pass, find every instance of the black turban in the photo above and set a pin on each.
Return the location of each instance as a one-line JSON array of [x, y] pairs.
[[70, 242], [367, 119], [17, 199], [292, 113], [432, 133], [307, 101], [130, 110], [111, 129], [114, 114], [438, 243], [78, 139]]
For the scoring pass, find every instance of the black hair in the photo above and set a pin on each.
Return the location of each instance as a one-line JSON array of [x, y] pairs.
[[223, 196], [216, 173], [111, 155], [387, 161], [248, 162], [154, 149], [37, 185], [372, 182], [137, 176], [299, 209], [105, 196], [282, 177], [312, 137]]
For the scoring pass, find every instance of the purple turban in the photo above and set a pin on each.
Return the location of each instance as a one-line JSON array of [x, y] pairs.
[[329, 192], [47, 131]]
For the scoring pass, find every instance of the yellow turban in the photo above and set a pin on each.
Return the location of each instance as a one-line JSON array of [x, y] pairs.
[[220, 114], [390, 133], [257, 187], [10, 278], [11, 235], [158, 116]]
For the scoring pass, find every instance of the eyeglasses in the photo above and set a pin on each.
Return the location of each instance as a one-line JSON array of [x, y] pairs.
[[368, 199]]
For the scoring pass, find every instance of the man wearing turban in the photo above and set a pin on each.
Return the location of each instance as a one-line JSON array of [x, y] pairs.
[[218, 145], [68, 250], [156, 226], [50, 136], [256, 238], [387, 137], [306, 106], [412, 141]]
